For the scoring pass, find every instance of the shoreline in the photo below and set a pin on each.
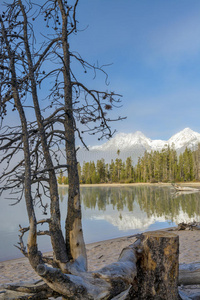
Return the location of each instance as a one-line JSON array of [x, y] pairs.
[[117, 184], [89, 246], [99, 254]]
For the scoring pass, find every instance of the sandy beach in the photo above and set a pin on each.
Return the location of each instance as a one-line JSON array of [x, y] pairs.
[[99, 254]]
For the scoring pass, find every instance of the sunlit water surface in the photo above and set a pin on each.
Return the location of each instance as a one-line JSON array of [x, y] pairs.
[[107, 212]]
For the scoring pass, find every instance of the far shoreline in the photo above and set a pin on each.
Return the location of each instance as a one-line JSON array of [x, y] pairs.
[[118, 184]]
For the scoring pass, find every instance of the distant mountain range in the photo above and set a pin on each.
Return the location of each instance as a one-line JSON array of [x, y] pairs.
[[135, 144]]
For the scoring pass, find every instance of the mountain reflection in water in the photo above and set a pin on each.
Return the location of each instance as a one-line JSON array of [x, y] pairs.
[[107, 212], [135, 208]]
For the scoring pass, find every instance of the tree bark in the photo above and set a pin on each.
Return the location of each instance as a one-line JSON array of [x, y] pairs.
[[157, 266]]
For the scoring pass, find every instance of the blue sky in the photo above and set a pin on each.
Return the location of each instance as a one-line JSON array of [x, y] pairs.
[[155, 50]]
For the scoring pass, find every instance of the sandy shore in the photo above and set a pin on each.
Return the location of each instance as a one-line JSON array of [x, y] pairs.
[[99, 254]]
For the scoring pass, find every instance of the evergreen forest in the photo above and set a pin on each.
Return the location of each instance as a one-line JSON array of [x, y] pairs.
[[155, 166]]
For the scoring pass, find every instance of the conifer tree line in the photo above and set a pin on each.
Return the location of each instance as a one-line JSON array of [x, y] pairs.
[[154, 166]]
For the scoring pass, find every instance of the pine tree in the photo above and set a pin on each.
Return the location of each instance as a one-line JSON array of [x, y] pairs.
[[129, 170], [101, 170], [60, 177]]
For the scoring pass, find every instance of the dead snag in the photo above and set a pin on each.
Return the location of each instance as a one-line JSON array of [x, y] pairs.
[[157, 266]]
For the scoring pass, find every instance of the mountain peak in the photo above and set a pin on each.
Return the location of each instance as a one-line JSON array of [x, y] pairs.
[[185, 138], [135, 144], [124, 141], [187, 130], [138, 133]]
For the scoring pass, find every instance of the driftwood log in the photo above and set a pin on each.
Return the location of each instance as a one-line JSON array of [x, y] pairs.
[[185, 188], [189, 274], [187, 226], [147, 269]]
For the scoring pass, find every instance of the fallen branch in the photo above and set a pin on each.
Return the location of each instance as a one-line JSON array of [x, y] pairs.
[[41, 291]]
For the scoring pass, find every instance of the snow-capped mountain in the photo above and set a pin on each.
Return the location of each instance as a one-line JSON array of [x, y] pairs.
[[185, 138], [182, 139], [135, 144], [123, 141]]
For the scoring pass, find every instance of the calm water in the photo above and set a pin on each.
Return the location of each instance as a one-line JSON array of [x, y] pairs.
[[108, 212]]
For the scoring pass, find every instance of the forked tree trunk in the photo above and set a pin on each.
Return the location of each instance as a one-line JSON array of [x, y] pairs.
[[74, 234], [157, 266]]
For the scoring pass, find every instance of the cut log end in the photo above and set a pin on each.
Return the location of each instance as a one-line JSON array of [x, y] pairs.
[[157, 266], [160, 234]]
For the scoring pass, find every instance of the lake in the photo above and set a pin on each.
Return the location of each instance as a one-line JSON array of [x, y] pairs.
[[108, 212]]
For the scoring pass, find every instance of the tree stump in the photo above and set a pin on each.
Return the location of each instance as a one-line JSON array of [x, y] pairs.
[[158, 266]]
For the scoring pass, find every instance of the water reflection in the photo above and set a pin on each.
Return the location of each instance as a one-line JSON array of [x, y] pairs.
[[108, 212], [136, 208], [157, 201]]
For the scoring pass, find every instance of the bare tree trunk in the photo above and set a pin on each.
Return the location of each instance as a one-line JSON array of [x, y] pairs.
[[73, 225], [157, 266], [32, 238], [57, 238]]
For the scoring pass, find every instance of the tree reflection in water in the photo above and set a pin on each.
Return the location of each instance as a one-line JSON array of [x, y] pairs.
[[154, 201]]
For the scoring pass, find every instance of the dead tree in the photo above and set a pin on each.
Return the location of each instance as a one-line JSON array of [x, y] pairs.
[[33, 68], [36, 141]]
